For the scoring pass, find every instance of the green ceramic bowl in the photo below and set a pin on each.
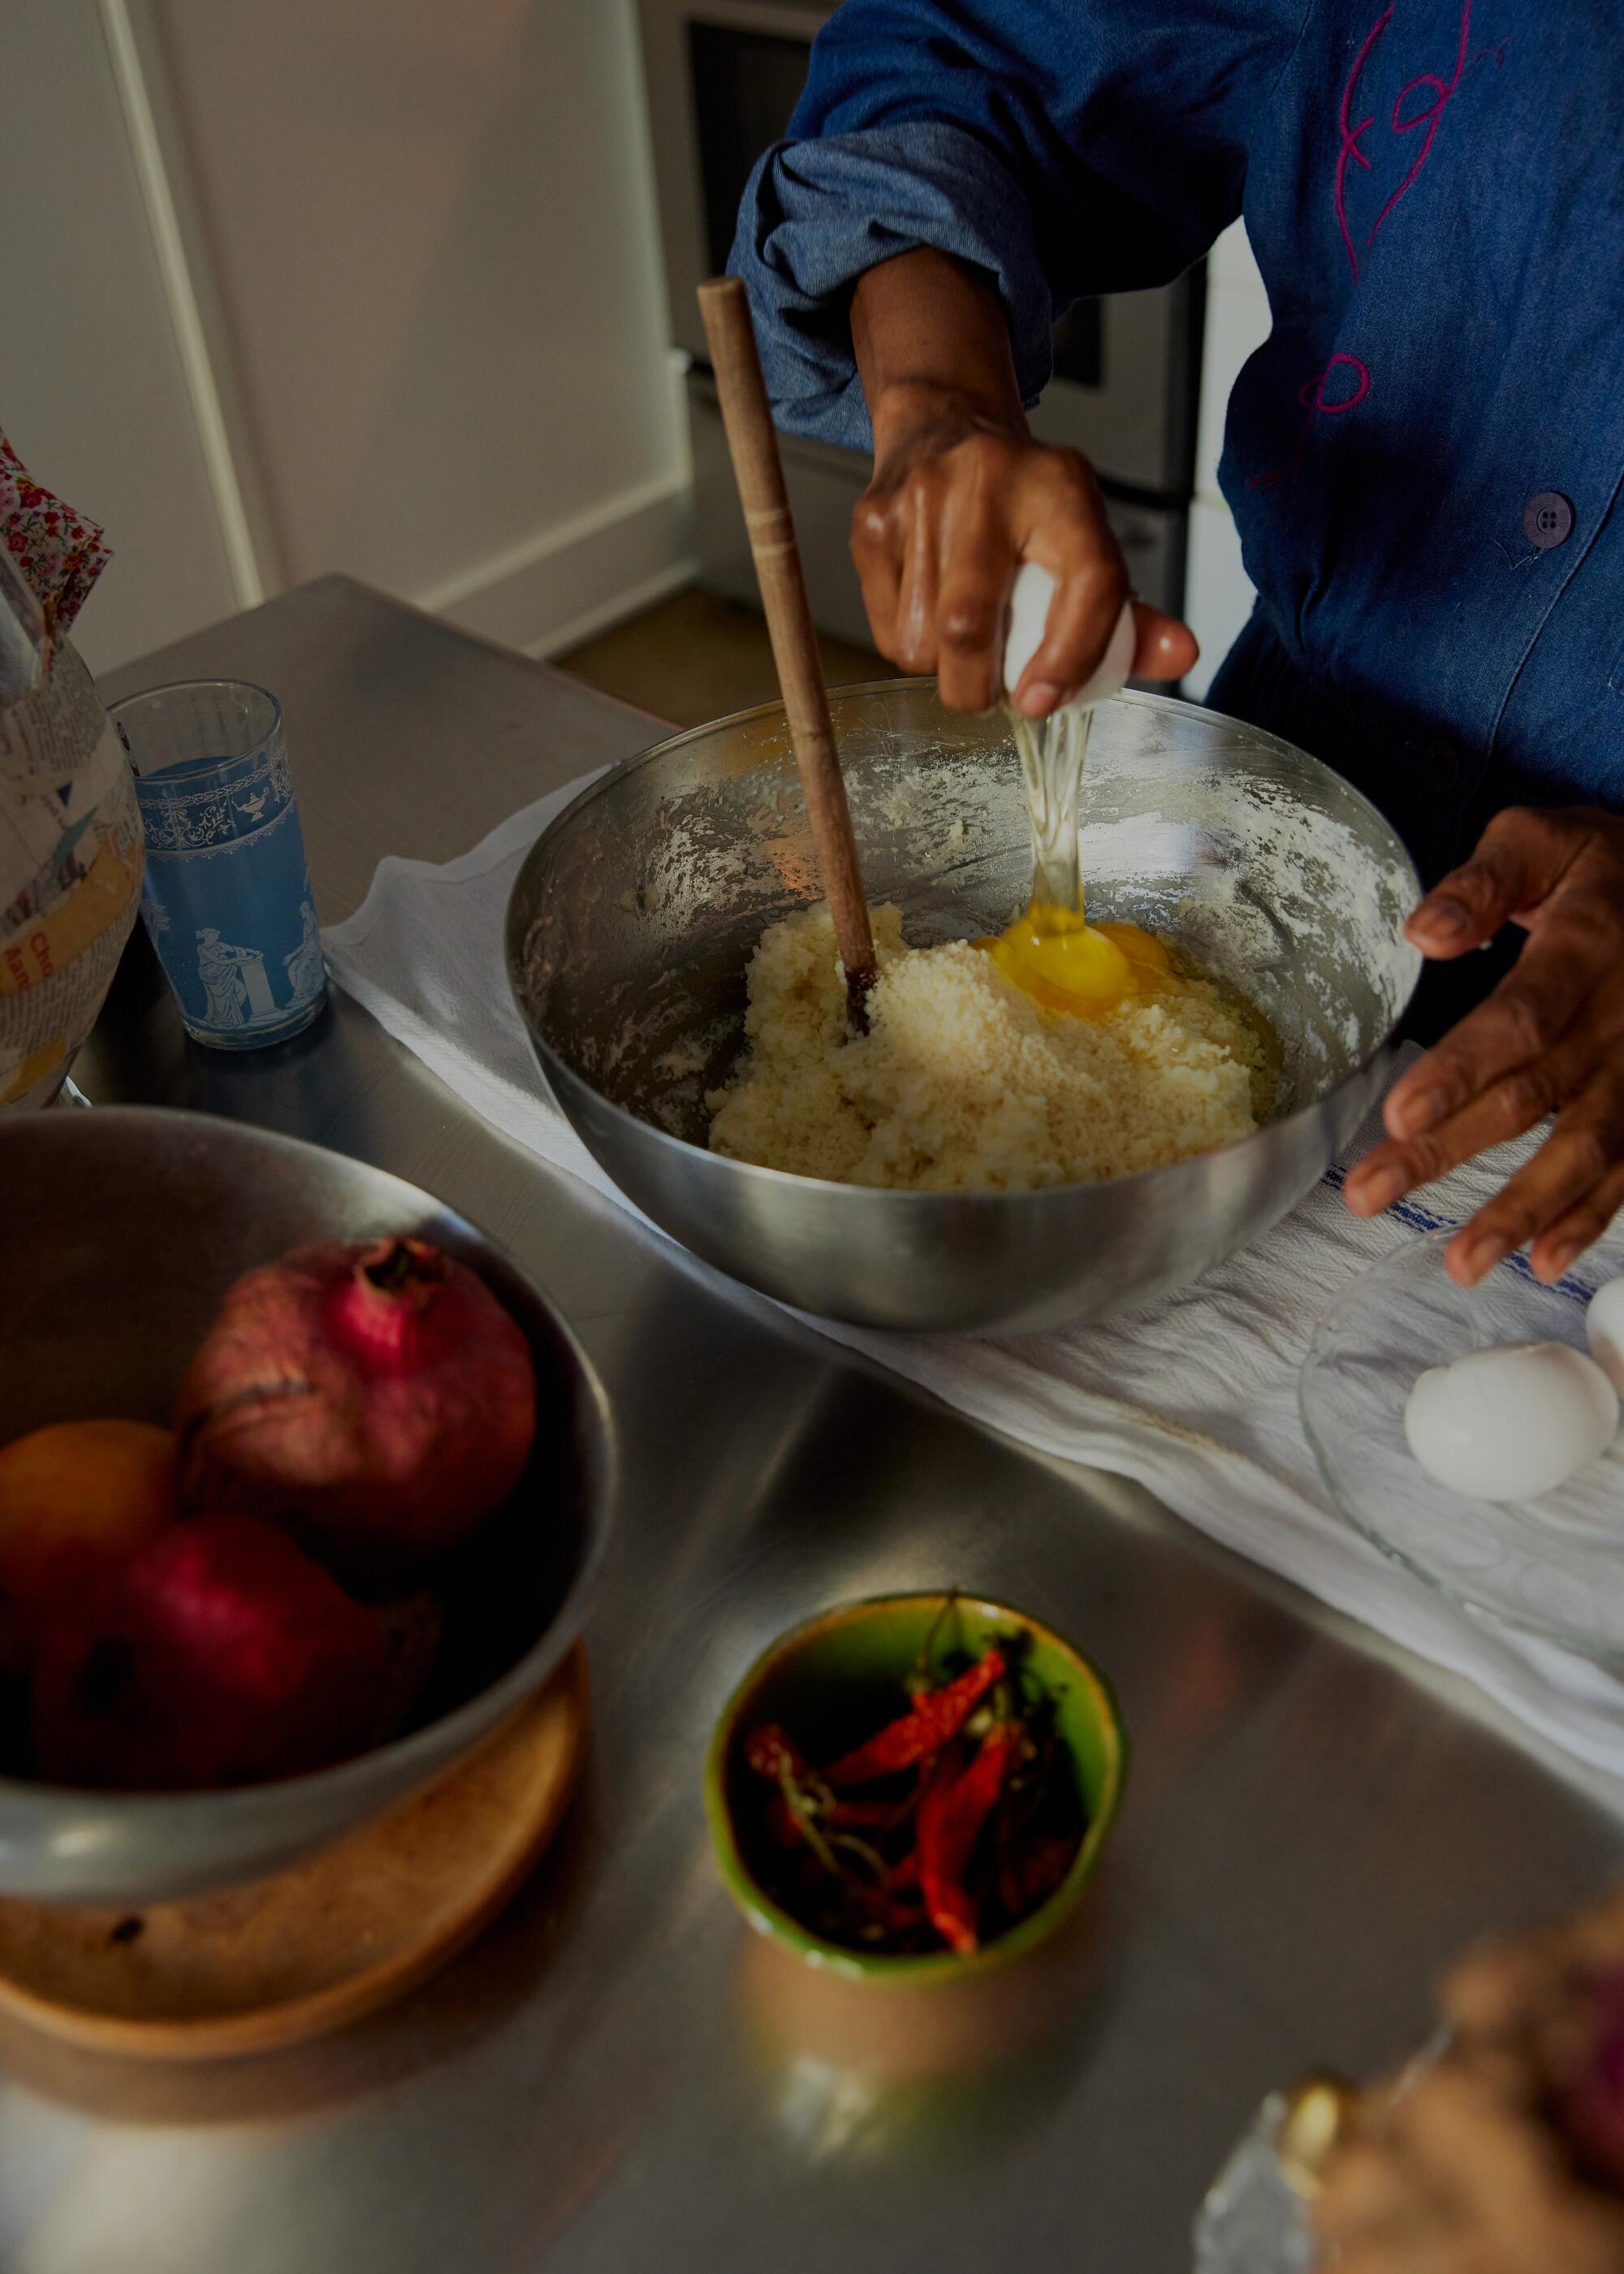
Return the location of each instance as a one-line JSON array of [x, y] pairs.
[[833, 1680]]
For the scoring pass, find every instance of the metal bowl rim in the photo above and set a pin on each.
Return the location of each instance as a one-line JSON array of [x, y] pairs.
[[439, 1743], [1031, 1196]]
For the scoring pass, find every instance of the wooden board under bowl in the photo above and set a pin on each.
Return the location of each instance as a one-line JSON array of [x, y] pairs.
[[291, 1957]]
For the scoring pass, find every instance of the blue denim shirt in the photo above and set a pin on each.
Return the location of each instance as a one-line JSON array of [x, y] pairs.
[[1434, 191]]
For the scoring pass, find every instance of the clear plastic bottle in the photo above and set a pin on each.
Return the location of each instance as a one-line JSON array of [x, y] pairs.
[[1256, 2217]]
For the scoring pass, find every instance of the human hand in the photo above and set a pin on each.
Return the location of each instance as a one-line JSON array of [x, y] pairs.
[[1549, 1040], [1467, 2166], [1458, 2177], [959, 499]]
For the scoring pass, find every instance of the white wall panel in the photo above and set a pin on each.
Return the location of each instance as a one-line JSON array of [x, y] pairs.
[[296, 285], [93, 391], [1218, 593], [431, 232]]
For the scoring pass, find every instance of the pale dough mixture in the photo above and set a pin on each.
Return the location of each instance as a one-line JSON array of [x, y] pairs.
[[964, 1083]]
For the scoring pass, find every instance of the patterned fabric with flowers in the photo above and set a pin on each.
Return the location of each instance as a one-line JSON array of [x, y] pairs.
[[59, 552]]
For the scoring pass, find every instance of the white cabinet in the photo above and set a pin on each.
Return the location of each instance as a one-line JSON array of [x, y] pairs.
[[93, 390], [369, 285]]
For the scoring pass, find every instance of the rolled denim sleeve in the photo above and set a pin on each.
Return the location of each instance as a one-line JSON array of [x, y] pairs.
[[817, 213], [1064, 148]]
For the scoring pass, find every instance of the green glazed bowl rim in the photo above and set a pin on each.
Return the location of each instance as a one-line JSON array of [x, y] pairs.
[[769, 1917]]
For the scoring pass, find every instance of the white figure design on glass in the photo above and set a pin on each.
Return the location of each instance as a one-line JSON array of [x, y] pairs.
[[228, 899], [234, 981], [222, 975], [256, 979], [306, 971]]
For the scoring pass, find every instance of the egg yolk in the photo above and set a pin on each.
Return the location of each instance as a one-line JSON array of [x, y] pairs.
[[1065, 963]]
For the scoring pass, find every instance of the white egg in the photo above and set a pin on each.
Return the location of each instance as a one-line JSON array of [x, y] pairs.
[[1512, 1423], [1029, 604], [1603, 1322]]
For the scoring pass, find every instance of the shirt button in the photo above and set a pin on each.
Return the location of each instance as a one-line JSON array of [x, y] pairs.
[[1547, 519]]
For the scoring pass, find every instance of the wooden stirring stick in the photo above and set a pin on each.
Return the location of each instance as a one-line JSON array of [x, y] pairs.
[[760, 475]]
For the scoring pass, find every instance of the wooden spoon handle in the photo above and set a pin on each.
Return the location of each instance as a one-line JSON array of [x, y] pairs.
[[748, 418]]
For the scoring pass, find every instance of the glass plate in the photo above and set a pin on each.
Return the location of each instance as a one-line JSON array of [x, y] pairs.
[[1553, 1566]]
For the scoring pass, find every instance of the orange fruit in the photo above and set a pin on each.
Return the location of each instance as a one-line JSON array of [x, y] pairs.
[[78, 1497]]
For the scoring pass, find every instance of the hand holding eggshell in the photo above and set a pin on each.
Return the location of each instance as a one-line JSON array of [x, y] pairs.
[[1030, 602]]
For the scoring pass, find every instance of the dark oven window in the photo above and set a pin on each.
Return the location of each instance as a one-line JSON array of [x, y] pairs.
[[746, 85], [1080, 345]]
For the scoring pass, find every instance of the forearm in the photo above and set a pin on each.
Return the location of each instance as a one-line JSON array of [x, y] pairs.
[[932, 342]]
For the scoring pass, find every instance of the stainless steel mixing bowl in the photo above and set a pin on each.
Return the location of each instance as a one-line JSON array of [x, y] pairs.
[[633, 918], [120, 1229]]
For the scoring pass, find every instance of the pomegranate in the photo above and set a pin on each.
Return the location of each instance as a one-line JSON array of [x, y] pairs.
[[376, 1400], [219, 1654]]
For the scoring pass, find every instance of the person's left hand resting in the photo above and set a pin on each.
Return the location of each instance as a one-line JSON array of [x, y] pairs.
[[1549, 1040]]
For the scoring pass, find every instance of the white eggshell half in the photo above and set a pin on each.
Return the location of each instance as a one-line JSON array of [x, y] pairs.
[[1603, 1322], [1512, 1423], [1029, 605]]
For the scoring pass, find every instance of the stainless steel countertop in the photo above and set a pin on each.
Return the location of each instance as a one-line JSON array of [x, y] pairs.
[[619, 2076]]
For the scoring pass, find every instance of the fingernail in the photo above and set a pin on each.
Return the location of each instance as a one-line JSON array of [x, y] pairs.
[[1481, 1254], [1372, 1193], [1039, 697], [1417, 1111], [1562, 1259], [1443, 915]]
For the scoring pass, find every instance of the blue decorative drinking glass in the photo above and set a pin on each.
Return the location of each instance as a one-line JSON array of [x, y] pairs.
[[227, 899]]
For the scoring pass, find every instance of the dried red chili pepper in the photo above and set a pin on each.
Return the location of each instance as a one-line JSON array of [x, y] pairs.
[[937, 1717], [883, 1907], [856, 1814], [768, 1752], [1012, 1894], [1031, 1865], [950, 1817], [1044, 1869], [783, 1823]]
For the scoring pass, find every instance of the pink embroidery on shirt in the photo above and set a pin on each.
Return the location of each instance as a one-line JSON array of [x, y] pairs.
[[1431, 117], [1313, 397], [1312, 394], [1350, 137]]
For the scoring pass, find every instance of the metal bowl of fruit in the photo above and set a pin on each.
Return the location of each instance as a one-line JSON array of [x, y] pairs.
[[303, 1490]]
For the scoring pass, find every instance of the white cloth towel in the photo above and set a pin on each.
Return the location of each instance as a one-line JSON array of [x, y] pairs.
[[1194, 1395]]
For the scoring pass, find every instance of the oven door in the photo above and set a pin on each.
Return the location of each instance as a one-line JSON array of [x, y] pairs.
[[722, 76], [1126, 385]]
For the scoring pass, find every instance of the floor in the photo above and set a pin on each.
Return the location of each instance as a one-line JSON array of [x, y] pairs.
[[697, 657]]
